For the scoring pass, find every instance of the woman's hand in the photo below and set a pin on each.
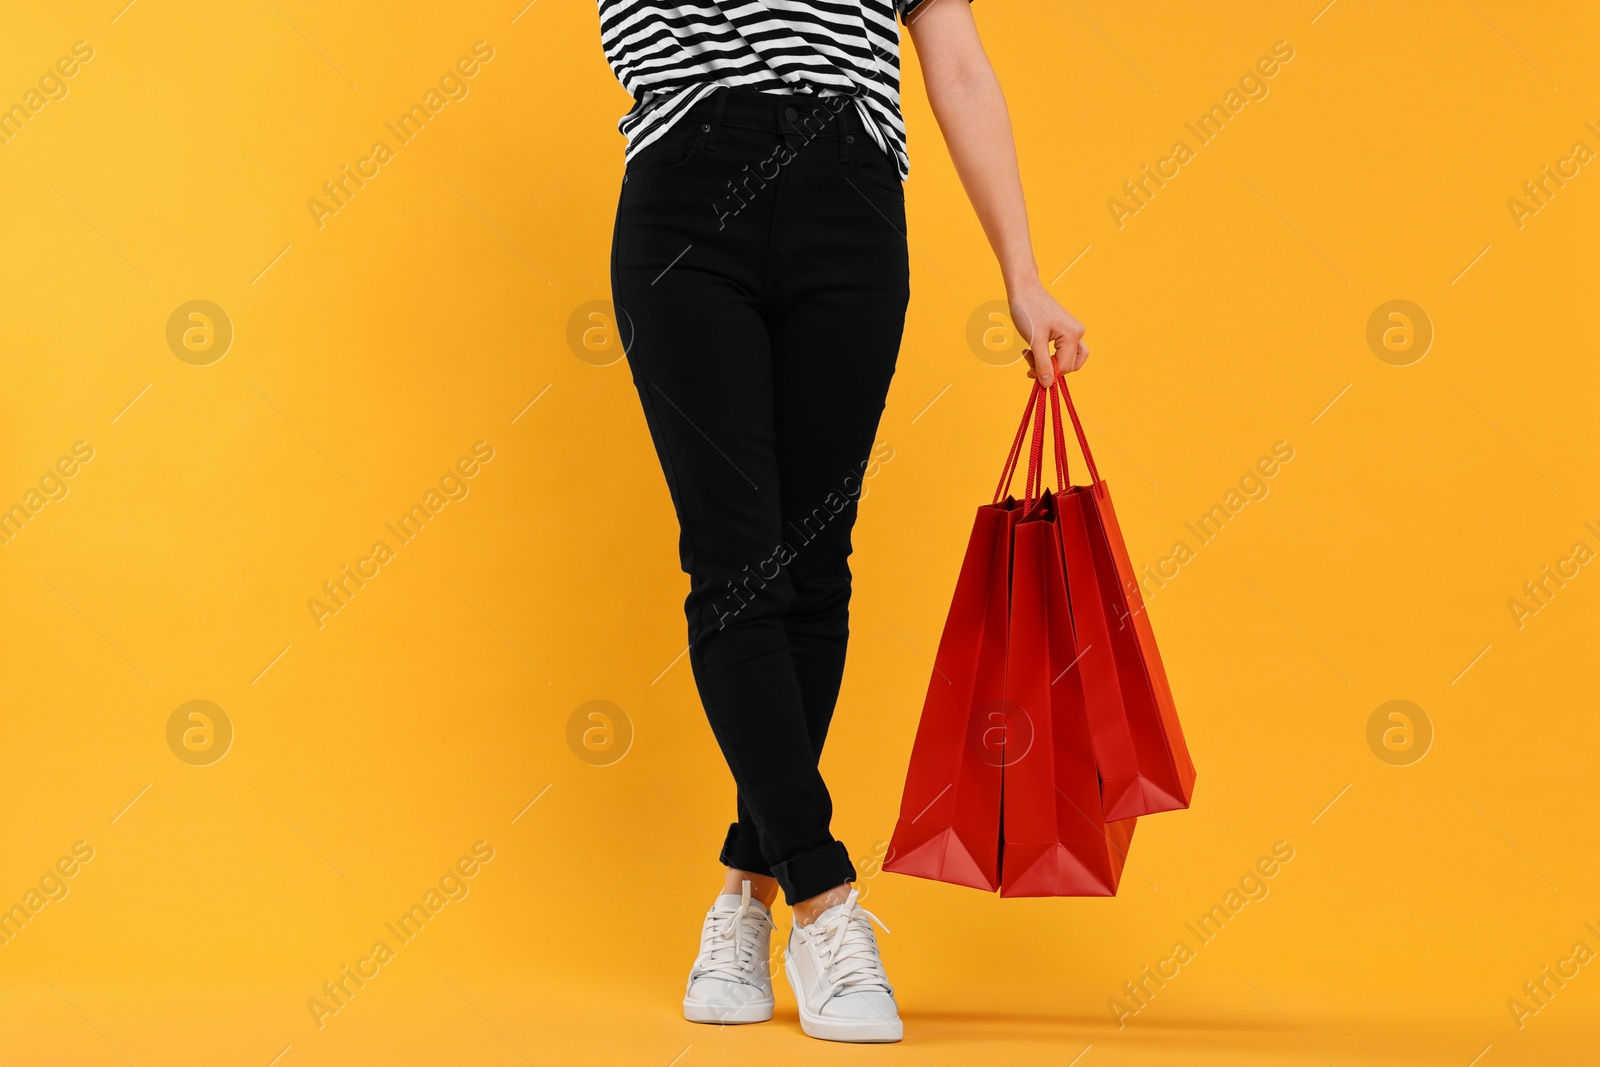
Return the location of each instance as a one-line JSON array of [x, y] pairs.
[[1042, 320]]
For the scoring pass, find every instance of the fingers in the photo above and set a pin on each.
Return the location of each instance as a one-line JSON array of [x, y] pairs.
[[1058, 329], [1041, 369], [1080, 356], [1061, 364], [1071, 346], [1043, 365]]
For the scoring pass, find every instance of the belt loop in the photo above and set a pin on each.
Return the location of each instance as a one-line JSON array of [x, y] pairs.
[[847, 132], [789, 123], [716, 119]]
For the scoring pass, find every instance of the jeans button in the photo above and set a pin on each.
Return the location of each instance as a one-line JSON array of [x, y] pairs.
[[791, 114]]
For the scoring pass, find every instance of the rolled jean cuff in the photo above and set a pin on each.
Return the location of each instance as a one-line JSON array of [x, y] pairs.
[[741, 850], [810, 873]]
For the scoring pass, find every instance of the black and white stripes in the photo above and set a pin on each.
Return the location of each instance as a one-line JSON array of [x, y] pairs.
[[670, 55]]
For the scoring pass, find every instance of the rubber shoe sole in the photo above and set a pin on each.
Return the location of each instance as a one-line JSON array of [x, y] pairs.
[[865, 1031], [753, 1011]]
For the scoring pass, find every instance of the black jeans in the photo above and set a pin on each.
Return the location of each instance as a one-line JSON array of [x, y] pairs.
[[760, 279]]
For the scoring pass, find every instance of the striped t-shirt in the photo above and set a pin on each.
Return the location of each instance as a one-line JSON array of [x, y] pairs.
[[669, 56]]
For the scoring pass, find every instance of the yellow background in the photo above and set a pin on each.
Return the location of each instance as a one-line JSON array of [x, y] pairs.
[[425, 716]]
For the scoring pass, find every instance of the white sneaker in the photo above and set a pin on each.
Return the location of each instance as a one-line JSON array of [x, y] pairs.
[[730, 982], [837, 977]]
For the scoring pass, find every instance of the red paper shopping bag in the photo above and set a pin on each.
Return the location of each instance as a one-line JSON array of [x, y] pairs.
[[1056, 841], [949, 826], [1143, 762]]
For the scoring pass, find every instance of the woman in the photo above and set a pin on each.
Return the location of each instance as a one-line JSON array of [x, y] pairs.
[[760, 279]]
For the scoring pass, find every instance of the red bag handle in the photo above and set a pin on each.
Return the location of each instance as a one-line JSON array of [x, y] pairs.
[[1010, 469], [1034, 413], [1060, 438], [1032, 491], [1077, 426], [1033, 481]]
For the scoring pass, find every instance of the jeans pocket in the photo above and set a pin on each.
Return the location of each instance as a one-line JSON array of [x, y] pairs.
[[672, 149], [877, 168]]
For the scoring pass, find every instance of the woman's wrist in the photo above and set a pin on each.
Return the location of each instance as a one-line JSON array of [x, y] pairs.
[[1022, 281], [1020, 277]]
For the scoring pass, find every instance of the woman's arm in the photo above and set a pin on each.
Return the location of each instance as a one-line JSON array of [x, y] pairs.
[[971, 110]]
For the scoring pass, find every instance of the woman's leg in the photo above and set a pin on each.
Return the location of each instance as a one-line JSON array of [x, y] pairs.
[[688, 295], [772, 341], [837, 311], [763, 887]]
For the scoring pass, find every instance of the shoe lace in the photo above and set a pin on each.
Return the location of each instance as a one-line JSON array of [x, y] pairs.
[[846, 950], [731, 946]]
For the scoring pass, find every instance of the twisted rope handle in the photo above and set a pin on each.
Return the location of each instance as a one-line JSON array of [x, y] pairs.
[[1034, 413], [1077, 426], [1033, 490], [1010, 469]]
